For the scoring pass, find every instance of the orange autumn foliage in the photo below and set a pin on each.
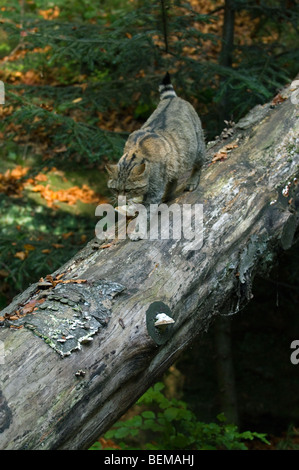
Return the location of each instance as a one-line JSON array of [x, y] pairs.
[[70, 195], [11, 183]]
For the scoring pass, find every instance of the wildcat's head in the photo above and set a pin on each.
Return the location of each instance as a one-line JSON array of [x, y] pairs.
[[130, 178]]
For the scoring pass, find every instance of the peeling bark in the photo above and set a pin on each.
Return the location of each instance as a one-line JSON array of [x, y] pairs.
[[53, 400]]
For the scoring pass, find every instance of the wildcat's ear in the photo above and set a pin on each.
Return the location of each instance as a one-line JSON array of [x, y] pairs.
[[140, 170], [111, 170]]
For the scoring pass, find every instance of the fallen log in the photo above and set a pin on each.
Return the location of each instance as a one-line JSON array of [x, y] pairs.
[[80, 346]]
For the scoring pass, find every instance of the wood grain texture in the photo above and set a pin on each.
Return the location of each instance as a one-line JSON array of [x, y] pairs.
[[44, 404]]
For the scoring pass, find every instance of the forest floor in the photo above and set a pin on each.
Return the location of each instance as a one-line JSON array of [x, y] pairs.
[[46, 217]]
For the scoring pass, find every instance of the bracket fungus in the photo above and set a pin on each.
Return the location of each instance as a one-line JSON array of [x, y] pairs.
[[162, 320], [159, 322]]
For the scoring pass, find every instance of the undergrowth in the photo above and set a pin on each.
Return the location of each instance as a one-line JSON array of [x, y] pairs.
[[168, 424]]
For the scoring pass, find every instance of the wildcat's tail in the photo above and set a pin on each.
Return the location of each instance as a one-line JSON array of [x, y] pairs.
[[166, 89]]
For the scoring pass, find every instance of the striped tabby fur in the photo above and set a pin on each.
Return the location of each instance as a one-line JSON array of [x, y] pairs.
[[169, 143]]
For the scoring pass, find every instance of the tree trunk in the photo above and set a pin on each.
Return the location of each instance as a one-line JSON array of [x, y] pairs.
[[226, 55], [81, 346], [225, 370]]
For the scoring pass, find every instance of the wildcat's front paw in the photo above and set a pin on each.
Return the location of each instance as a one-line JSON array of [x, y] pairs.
[[193, 181], [135, 236], [191, 186]]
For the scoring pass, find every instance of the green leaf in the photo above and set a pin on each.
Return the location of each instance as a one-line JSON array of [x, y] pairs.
[[221, 417], [171, 413], [158, 387], [136, 421], [148, 414]]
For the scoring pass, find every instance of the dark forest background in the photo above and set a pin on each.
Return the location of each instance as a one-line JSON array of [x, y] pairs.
[[80, 76]]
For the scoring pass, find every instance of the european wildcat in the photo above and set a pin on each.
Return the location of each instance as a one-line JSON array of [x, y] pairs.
[[169, 143]]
